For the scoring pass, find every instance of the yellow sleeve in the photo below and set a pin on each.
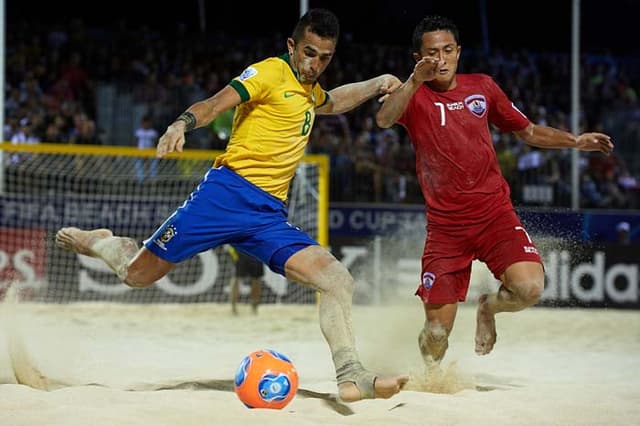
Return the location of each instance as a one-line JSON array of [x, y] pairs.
[[256, 81], [321, 97]]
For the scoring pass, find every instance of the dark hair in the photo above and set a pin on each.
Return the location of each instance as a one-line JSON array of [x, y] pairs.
[[319, 21], [433, 23]]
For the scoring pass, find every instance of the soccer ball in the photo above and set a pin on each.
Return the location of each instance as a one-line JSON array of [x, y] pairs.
[[266, 379]]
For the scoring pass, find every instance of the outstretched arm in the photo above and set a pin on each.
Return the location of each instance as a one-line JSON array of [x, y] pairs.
[[395, 103], [348, 96], [197, 115], [549, 137]]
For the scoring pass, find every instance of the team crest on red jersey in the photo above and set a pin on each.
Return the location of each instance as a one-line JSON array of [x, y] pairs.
[[427, 280], [477, 104]]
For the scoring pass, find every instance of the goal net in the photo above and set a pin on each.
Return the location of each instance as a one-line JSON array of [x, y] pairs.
[[44, 187]]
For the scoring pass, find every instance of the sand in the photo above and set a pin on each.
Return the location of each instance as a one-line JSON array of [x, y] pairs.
[[114, 364]]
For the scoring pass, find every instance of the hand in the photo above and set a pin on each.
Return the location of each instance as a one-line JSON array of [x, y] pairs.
[[388, 85], [172, 140], [427, 68], [595, 142]]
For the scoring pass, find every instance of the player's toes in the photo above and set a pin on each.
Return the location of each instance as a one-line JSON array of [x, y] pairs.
[[483, 347], [78, 240], [386, 387], [381, 387], [63, 237]]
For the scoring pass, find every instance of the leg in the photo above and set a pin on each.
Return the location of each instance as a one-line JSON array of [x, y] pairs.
[[434, 337], [140, 169], [522, 286], [135, 267], [316, 267], [256, 290], [153, 168], [233, 294]]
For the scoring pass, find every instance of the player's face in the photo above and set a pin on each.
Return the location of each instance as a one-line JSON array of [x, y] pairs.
[[441, 45], [311, 56]]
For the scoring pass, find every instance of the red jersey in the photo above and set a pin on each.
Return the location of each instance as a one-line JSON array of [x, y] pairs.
[[456, 163]]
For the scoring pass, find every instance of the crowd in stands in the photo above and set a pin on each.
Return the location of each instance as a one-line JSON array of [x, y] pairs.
[[52, 73]]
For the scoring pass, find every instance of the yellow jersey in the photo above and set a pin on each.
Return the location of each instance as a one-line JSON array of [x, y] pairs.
[[271, 125]]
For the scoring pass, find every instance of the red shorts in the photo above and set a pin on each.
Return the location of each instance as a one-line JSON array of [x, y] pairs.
[[449, 251]]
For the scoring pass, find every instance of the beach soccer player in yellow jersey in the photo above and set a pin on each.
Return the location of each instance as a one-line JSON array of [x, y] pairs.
[[241, 199]]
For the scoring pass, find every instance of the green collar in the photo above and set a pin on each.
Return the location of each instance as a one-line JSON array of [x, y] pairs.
[[285, 57]]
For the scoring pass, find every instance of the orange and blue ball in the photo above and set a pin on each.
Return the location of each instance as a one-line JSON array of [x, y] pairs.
[[266, 379]]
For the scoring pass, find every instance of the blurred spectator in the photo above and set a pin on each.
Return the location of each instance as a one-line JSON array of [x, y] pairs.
[[368, 130], [54, 134], [60, 93], [557, 173], [591, 196], [23, 135], [12, 102], [11, 125], [84, 131], [368, 174], [613, 195], [623, 232], [529, 162], [150, 91], [146, 137], [221, 129], [76, 76], [249, 270], [507, 158], [394, 183]]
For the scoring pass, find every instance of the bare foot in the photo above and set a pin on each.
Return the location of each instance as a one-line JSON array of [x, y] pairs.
[[80, 241], [485, 327], [385, 387]]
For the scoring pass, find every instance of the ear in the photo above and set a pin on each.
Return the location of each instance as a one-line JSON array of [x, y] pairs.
[[291, 45]]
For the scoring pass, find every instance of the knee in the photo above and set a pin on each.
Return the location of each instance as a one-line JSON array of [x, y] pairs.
[[435, 333], [344, 282], [433, 342], [530, 291], [337, 280]]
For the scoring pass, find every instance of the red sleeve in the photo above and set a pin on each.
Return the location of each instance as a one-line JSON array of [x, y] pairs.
[[503, 113]]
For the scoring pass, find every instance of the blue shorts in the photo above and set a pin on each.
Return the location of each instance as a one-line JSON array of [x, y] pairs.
[[225, 208]]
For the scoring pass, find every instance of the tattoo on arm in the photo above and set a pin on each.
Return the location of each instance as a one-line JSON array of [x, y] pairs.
[[189, 119]]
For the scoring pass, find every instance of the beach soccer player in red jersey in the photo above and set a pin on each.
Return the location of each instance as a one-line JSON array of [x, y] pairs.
[[469, 210]]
